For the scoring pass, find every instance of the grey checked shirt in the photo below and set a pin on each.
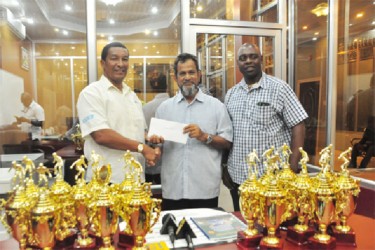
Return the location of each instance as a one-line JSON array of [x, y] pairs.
[[262, 116]]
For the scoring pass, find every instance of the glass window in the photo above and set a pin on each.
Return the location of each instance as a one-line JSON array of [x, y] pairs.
[[355, 73], [152, 37], [241, 10], [310, 73]]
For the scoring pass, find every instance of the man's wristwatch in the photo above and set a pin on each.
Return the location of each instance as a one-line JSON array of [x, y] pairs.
[[209, 139], [140, 148]]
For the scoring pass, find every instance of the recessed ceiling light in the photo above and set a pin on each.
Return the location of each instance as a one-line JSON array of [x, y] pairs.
[[67, 7], [111, 2], [111, 21], [56, 29], [110, 38], [359, 15], [147, 32], [155, 33], [65, 32], [315, 38], [154, 10]]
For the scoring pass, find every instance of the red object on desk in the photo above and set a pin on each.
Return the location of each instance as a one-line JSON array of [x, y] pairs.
[[363, 226]]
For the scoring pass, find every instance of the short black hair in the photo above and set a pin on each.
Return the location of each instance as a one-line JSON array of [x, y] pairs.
[[183, 57], [111, 45]]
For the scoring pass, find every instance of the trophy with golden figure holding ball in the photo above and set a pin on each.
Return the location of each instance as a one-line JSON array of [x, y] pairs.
[[324, 192], [304, 205], [249, 206], [347, 195]]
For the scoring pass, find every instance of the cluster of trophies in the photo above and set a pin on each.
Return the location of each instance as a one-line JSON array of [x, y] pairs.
[[83, 216], [321, 204]]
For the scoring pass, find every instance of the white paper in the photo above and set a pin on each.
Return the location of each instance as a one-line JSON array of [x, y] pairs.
[[170, 131]]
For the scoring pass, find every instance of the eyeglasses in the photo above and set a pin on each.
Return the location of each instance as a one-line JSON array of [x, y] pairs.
[[244, 58]]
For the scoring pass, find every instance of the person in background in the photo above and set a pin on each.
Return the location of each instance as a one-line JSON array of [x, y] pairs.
[[265, 112], [149, 109], [111, 117], [31, 118], [191, 172], [366, 144], [158, 81]]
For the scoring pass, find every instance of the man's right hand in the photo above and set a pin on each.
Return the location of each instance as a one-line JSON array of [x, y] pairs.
[[152, 155]]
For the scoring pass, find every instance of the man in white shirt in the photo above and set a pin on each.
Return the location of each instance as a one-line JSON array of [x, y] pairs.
[[32, 117], [111, 117]]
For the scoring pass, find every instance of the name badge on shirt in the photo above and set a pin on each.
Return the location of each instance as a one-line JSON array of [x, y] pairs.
[[263, 104]]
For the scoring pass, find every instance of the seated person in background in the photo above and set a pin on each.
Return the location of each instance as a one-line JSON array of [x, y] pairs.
[[366, 144], [32, 117]]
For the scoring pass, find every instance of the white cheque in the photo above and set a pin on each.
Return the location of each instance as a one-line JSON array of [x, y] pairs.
[[170, 131]]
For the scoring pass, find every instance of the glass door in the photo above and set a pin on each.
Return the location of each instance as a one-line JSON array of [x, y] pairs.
[[217, 48]]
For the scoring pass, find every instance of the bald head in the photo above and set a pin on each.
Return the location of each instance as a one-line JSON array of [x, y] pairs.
[[26, 99], [247, 46]]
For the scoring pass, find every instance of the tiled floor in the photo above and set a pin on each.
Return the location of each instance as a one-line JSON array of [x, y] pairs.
[[225, 200]]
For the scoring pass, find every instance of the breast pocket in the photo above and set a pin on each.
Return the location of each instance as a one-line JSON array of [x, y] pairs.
[[261, 115]]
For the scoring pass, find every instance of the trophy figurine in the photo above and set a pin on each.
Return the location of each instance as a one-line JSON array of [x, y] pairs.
[[80, 201], [249, 206], [304, 205], [275, 206], [348, 190], [61, 192], [325, 200], [15, 212], [142, 211], [104, 217], [45, 215]]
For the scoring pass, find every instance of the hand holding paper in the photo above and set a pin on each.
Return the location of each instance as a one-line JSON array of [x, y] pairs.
[[170, 131]]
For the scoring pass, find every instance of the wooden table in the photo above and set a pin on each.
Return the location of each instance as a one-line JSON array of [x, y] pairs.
[[363, 226]]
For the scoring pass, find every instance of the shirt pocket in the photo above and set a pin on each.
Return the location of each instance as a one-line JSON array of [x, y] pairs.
[[261, 114]]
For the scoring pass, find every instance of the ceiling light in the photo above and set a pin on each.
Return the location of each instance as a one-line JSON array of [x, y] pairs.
[[155, 33], [320, 10], [154, 10], [199, 7], [111, 2], [359, 15], [110, 38], [147, 32], [67, 7], [65, 32], [111, 21]]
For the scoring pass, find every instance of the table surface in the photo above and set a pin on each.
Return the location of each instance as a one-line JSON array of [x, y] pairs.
[[363, 226]]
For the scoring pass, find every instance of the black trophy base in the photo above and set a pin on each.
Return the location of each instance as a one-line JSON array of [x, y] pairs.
[[125, 240], [316, 244], [299, 238], [344, 239], [248, 242], [267, 246]]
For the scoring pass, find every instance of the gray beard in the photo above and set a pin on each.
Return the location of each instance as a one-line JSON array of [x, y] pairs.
[[189, 91]]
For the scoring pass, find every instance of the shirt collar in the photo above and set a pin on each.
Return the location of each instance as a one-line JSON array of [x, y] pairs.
[[198, 97], [108, 85], [260, 84]]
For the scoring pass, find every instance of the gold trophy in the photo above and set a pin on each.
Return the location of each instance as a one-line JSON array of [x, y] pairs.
[[304, 205], [45, 215], [104, 217], [249, 206], [61, 193], [142, 211], [274, 206], [348, 191], [325, 200], [15, 212], [81, 200], [78, 139]]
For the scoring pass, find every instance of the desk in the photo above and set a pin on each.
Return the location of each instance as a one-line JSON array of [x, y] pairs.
[[363, 226], [69, 155]]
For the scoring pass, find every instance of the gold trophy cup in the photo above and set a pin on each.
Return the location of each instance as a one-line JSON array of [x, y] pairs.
[[304, 205], [348, 191], [249, 206], [325, 200]]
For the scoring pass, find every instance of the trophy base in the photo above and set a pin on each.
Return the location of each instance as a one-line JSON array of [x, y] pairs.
[[299, 238], [316, 244], [266, 246], [125, 240], [67, 243], [345, 239], [246, 242], [90, 244]]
